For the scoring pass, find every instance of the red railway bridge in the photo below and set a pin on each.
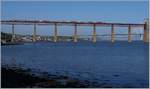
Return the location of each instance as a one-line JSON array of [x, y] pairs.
[[75, 24]]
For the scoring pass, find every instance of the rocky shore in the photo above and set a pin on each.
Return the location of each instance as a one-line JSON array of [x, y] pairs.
[[22, 78]]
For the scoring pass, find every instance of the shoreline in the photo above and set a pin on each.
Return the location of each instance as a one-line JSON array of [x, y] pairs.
[[22, 43], [12, 43], [17, 77], [22, 78]]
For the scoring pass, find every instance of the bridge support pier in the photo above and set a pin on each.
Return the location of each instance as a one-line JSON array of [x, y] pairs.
[[75, 33], [129, 33], [13, 33], [34, 33], [112, 33], [146, 31], [94, 33], [55, 32]]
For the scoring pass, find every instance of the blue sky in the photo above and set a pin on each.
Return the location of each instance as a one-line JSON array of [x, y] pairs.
[[109, 11]]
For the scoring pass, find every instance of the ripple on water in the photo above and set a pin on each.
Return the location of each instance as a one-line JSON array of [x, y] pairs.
[[121, 63]]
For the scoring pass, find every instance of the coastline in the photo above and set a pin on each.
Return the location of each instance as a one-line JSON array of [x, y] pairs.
[[11, 43], [15, 77]]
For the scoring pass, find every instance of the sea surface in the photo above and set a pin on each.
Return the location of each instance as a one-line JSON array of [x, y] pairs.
[[119, 64]]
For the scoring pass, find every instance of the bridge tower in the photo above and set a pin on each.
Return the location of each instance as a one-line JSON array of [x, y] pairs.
[[34, 33], [146, 31], [112, 33], [129, 33], [55, 32], [75, 33], [13, 33], [94, 33]]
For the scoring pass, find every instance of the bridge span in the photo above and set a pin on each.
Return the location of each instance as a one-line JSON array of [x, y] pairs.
[[75, 24]]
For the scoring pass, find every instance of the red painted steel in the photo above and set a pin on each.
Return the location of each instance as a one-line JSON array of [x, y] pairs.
[[67, 23]]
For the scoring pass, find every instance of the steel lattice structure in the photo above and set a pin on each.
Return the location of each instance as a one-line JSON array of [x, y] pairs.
[[145, 27]]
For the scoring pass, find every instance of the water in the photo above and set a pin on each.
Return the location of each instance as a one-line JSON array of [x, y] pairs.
[[119, 64]]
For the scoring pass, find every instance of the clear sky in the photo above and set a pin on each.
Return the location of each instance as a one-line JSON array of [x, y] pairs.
[[109, 11]]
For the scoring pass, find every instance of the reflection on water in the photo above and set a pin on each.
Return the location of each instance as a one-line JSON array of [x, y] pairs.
[[119, 63]]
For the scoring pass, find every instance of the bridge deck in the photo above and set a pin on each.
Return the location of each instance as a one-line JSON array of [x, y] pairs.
[[67, 23]]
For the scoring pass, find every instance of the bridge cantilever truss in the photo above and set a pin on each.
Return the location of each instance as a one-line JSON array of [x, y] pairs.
[[145, 27]]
